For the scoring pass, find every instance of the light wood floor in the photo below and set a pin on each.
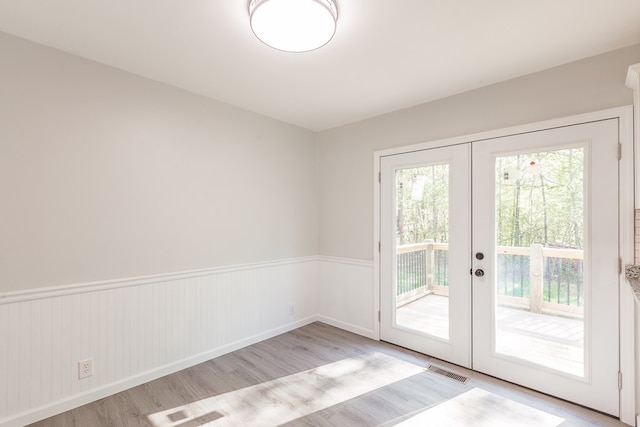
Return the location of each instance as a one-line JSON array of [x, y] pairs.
[[322, 376]]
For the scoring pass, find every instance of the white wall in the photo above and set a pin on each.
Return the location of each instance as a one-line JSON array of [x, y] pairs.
[[109, 181], [345, 299], [346, 153], [109, 175]]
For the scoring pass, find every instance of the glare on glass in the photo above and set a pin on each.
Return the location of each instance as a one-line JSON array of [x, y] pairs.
[[540, 285], [422, 249]]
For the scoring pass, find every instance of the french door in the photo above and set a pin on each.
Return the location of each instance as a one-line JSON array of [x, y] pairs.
[[501, 255]]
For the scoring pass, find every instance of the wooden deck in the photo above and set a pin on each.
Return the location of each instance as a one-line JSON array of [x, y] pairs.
[[551, 341]]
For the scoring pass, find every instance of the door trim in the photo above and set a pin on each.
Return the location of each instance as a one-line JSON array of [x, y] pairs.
[[626, 230]]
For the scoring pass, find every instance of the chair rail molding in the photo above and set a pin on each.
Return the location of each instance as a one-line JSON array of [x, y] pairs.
[[139, 329]]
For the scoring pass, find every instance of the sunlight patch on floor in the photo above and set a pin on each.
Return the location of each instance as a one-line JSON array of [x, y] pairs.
[[288, 398], [480, 408]]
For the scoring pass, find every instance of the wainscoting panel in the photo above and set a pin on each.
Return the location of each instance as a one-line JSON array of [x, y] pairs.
[[136, 330], [348, 299]]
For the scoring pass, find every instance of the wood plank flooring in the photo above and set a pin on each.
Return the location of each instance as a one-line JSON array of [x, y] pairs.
[[319, 375]]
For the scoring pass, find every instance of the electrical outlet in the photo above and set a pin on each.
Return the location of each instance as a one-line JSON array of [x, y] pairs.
[[85, 368], [292, 309]]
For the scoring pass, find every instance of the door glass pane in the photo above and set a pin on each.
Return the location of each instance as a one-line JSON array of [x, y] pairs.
[[422, 244], [540, 240]]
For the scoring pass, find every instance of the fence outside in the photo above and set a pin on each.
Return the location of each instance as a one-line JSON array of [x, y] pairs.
[[535, 278]]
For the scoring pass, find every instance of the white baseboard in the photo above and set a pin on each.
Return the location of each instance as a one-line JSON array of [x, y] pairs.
[[347, 327], [92, 395], [163, 323], [139, 329], [347, 295]]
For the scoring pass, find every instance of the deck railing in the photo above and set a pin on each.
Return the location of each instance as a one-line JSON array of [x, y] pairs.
[[536, 278]]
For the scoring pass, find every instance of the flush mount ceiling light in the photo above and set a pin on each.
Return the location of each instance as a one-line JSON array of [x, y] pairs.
[[293, 25]]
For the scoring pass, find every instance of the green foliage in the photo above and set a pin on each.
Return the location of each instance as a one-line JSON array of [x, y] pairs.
[[562, 282], [423, 204], [539, 199]]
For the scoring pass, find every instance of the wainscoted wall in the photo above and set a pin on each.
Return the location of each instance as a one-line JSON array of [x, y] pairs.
[[143, 328], [347, 297]]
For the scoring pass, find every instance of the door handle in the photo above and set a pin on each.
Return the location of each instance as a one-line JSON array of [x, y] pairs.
[[479, 272]]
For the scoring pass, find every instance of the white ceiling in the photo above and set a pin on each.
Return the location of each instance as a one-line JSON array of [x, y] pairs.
[[386, 54]]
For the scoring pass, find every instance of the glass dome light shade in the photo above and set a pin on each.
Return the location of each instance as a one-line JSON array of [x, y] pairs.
[[293, 25]]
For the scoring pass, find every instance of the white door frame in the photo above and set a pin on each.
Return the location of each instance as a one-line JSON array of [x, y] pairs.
[[626, 229]]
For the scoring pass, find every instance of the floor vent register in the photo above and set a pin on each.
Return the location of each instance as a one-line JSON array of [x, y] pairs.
[[452, 375]]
